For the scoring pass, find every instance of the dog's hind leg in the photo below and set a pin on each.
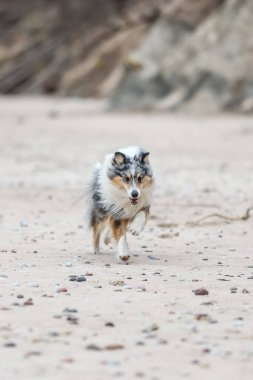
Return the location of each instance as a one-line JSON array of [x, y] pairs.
[[119, 233], [105, 236], [97, 229]]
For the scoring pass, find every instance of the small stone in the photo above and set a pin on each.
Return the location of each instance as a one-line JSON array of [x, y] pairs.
[[151, 328], [68, 265], [93, 347], [141, 289], [69, 310], [109, 324], [72, 320], [20, 296], [201, 317], [127, 287], [150, 257], [192, 328], [10, 345], [32, 353], [72, 278], [117, 283], [61, 290], [112, 347], [23, 223], [68, 360], [201, 292], [245, 291], [28, 302], [81, 278], [32, 284]]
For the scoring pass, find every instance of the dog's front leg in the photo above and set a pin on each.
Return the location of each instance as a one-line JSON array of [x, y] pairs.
[[119, 233], [138, 223]]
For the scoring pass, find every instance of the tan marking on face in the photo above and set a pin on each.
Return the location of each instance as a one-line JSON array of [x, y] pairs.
[[146, 182], [118, 182]]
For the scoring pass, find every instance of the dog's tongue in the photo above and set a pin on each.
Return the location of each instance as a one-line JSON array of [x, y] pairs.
[[134, 201]]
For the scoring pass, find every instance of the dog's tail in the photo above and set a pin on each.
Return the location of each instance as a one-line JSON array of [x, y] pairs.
[[92, 187]]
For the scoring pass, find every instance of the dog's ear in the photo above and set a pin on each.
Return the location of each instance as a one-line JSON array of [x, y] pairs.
[[119, 159], [145, 158]]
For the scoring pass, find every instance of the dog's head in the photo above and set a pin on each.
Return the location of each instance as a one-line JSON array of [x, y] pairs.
[[131, 173]]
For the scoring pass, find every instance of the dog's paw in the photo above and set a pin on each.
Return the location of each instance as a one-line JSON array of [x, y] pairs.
[[136, 228], [123, 258], [138, 224], [135, 231]]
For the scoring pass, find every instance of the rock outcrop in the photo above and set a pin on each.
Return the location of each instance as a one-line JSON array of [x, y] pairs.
[[193, 62], [164, 55]]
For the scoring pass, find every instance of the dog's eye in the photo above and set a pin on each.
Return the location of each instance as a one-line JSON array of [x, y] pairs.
[[128, 178], [139, 179]]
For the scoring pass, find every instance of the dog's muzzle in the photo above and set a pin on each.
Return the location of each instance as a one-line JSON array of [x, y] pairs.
[[134, 201]]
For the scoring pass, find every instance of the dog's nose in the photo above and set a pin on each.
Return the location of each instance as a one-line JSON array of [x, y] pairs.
[[134, 194]]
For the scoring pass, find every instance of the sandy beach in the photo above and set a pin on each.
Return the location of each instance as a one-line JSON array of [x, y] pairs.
[[142, 320]]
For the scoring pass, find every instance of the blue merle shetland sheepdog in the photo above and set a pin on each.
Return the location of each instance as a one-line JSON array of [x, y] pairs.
[[120, 198]]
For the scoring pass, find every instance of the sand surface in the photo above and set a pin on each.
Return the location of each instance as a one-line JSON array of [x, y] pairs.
[[141, 320]]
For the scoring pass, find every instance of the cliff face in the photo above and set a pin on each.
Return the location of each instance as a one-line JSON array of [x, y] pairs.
[[202, 64], [69, 47], [162, 55]]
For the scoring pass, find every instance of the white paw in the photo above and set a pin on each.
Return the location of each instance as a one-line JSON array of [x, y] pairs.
[[123, 258], [136, 227], [138, 224]]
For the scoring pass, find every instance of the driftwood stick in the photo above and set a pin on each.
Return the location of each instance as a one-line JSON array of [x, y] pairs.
[[245, 216]]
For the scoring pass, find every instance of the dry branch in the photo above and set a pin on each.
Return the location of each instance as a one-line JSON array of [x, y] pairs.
[[245, 216]]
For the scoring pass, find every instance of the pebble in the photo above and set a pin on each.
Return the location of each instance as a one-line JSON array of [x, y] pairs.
[[201, 292], [23, 223], [69, 310], [202, 317], [32, 353], [61, 290], [28, 302], [32, 284], [118, 283], [109, 324], [192, 328], [150, 257], [151, 328], [127, 287], [73, 320], [141, 289], [93, 347], [112, 347], [80, 278], [68, 265], [10, 344]]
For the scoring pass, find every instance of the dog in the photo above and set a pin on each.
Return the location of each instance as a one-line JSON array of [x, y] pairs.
[[120, 198]]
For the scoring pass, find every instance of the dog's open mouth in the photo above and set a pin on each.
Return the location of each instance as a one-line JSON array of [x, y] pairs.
[[134, 201]]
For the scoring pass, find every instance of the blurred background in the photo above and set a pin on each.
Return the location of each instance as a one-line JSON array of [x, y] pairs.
[[163, 55]]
